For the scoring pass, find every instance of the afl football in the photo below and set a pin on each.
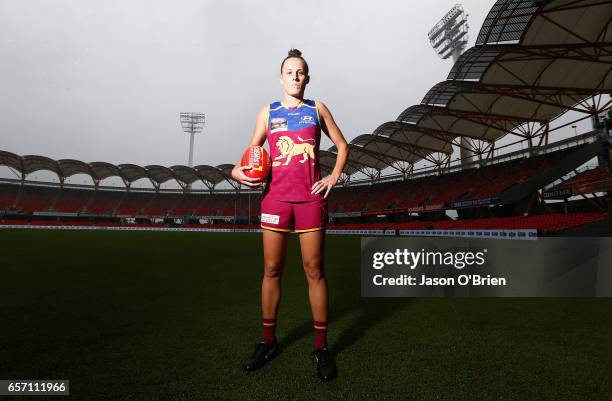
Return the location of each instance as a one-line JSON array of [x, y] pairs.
[[259, 160]]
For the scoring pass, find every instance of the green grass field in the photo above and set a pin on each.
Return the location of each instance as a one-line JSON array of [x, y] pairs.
[[172, 316]]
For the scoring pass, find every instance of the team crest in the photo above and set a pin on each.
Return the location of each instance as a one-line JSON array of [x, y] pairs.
[[289, 148]]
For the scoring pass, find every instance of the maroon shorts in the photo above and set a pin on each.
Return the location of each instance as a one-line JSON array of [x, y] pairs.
[[293, 216]]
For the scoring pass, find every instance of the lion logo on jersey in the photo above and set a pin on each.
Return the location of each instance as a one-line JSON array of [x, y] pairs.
[[288, 148]]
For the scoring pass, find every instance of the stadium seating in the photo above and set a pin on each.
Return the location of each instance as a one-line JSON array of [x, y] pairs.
[[429, 192], [8, 196], [104, 201], [36, 198], [133, 203], [443, 189], [581, 181], [72, 200]]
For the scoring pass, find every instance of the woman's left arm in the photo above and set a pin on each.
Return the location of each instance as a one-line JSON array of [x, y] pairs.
[[329, 127]]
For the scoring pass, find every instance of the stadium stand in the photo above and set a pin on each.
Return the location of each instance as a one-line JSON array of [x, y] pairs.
[[8, 196], [35, 198], [104, 202], [72, 200], [440, 190], [133, 203], [585, 181]]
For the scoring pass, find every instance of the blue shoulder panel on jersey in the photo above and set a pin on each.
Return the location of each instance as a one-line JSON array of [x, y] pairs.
[[284, 119]]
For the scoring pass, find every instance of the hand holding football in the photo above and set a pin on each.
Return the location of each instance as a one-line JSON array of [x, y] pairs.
[[258, 159]]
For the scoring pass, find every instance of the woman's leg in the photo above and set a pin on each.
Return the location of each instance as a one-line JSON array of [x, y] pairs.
[[274, 247], [312, 247], [312, 244]]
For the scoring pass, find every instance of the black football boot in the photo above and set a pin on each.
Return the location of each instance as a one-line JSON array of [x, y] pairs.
[[326, 366], [263, 353]]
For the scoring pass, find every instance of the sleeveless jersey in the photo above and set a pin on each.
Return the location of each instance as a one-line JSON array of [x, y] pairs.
[[294, 135]]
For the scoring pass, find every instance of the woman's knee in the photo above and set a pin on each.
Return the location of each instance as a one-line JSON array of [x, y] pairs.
[[314, 270], [273, 270]]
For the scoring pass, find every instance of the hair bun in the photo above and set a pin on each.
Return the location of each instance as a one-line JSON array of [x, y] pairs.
[[298, 54]]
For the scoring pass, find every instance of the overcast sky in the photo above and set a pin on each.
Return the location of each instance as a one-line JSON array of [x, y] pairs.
[[106, 80]]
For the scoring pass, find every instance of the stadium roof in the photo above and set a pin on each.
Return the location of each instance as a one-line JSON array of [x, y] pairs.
[[533, 61], [546, 22], [327, 160], [129, 173]]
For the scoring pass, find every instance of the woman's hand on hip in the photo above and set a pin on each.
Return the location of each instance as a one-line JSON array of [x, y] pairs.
[[325, 184]]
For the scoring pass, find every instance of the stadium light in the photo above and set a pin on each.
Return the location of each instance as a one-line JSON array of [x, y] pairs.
[[449, 38], [192, 123]]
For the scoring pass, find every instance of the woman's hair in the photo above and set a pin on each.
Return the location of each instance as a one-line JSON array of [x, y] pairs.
[[297, 54]]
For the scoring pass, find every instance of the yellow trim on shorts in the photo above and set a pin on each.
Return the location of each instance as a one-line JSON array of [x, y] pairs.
[[309, 230], [283, 230]]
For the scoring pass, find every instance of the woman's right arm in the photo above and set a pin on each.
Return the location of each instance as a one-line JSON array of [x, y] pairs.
[[257, 139]]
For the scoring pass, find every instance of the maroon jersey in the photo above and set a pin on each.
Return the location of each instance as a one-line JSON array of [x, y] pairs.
[[294, 135]]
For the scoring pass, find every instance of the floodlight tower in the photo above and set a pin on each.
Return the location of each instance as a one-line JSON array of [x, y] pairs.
[[192, 123], [450, 35], [449, 38]]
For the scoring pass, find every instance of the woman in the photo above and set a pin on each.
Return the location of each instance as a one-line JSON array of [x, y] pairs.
[[294, 200]]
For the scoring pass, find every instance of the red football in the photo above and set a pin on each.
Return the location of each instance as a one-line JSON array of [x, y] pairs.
[[258, 158]]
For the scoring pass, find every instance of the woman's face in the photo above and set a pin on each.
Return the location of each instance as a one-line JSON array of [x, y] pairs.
[[293, 77]]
